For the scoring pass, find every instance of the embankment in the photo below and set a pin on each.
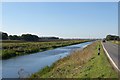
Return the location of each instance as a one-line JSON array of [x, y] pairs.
[[84, 63]]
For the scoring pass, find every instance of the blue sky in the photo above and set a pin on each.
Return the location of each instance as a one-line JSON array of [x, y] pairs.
[[62, 19]]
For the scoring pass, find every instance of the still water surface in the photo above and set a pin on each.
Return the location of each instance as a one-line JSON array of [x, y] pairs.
[[23, 66]]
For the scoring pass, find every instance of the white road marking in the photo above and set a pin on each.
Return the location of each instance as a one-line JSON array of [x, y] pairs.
[[110, 58]]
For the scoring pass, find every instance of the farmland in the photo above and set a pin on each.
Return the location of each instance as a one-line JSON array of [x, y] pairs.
[[17, 48]]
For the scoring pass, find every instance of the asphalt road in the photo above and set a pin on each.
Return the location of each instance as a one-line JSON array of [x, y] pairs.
[[112, 50]]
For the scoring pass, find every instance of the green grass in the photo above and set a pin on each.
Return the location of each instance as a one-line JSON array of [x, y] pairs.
[[17, 48], [80, 64], [98, 67]]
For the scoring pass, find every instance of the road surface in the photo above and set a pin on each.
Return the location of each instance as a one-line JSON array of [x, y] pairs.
[[112, 50]]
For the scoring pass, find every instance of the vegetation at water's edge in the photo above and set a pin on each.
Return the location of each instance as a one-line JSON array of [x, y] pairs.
[[80, 64], [12, 49]]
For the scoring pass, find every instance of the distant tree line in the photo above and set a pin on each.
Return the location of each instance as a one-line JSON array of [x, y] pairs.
[[112, 37], [14, 37], [49, 37], [25, 37]]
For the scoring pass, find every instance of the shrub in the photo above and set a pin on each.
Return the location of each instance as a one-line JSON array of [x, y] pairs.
[[8, 53]]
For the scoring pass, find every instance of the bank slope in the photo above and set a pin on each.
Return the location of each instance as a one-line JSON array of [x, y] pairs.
[[84, 63]]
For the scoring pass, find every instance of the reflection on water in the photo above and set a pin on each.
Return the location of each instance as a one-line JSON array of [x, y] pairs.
[[28, 64]]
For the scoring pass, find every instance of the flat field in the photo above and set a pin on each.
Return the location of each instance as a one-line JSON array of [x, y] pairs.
[[16, 48]]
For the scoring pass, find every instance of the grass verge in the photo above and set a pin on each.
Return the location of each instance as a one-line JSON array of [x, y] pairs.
[[116, 42], [84, 63]]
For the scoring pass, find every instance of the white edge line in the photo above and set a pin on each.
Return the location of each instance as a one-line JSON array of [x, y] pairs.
[[110, 58]]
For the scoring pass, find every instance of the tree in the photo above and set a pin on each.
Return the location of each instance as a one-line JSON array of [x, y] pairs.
[[112, 37], [29, 37], [14, 37], [3, 36]]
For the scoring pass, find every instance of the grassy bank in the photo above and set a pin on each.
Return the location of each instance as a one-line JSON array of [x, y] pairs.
[[116, 42], [80, 64], [16, 48]]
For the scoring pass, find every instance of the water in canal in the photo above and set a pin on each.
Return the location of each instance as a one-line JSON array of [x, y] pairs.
[[28, 64]]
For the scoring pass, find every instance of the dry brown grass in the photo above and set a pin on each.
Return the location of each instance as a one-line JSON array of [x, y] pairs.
[[70, 65]]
